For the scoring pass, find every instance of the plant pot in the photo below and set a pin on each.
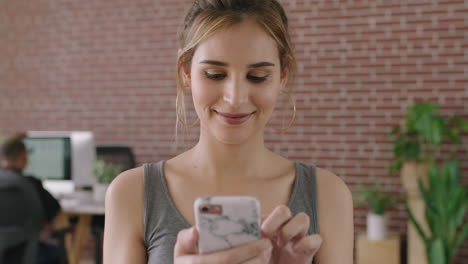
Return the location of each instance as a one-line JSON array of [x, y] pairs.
[[376, 226], [411, 172], [99, 191]]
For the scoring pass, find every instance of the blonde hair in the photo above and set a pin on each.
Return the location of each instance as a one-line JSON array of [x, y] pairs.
[[205, 17]]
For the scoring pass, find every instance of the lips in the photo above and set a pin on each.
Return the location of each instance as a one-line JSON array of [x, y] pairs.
[[234, 118]]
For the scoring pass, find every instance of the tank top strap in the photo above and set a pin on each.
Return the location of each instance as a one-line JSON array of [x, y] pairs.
[[161, 218], [304, 196], [152, 184]]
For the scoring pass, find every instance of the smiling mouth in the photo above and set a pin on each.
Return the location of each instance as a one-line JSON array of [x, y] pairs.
[[234, 118]]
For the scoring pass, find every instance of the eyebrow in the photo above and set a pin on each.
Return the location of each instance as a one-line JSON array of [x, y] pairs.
[[254, 65], [261, 64]]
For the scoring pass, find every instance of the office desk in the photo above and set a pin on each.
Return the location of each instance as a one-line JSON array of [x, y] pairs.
[[81, 205]]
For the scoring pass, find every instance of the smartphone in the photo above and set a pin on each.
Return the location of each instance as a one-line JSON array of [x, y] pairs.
[[225, 222]]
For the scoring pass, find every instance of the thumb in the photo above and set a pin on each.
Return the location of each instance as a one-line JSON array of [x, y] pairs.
[[186, 242]]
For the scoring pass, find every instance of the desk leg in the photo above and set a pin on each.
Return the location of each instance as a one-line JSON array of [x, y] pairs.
[[81, 234], [62, 222]]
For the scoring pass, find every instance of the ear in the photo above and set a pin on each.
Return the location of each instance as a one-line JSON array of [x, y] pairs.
[[186, 76], [284, 78]]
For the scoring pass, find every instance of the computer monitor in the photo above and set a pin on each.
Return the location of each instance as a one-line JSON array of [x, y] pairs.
[[49, 158], [61, 155]]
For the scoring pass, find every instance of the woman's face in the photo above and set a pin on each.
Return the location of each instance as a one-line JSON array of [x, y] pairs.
[[235, 78]]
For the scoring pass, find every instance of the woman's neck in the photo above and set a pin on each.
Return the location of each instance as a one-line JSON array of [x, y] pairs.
[[220, 161]]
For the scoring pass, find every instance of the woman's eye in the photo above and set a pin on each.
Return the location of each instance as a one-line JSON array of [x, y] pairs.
[[215, 76], [257, 79]]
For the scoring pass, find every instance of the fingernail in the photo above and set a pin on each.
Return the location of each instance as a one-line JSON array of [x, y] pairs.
[[304, 251]]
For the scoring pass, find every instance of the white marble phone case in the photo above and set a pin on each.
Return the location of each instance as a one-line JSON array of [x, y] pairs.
[[235, 221]]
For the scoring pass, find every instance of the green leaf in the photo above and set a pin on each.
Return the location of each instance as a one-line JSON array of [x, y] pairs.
[[437, 199], [437, 253], [417, 225], [395, 130], [424, 126], [459, 240], [453, 234], [395, 166], [433, 177], [451, 171], [411, 150], [105, 172], [428, 201], [421, 115], [459, 122], [465, 126], [454, 136], [458, 206], [375, 198], [435, 131], [399, 145]]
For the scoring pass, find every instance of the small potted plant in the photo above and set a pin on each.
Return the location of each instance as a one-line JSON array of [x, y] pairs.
[[378, 202], [446, 203], [104, 172]]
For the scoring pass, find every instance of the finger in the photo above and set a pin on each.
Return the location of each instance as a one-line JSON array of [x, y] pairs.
[[297, 227], [186, 242], [240, 254], [308, 245], [260, 259], [275, 220]]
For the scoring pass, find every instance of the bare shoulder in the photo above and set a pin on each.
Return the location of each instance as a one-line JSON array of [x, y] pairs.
[[126, 189], [128, 182], [125, 195], [123, 236], [332, 186], [335, 213], [334, 197]]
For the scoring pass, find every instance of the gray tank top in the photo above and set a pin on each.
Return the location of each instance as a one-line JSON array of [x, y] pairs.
[[162, 220]]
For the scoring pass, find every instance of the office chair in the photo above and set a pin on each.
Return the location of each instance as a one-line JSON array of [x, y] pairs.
[[123, 157], [118, 155], [21, 219]]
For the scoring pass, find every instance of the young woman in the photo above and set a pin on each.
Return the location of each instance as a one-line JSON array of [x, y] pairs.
[[235, 56]]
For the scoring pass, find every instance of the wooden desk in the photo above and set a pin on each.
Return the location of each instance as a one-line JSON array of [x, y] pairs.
[[382, 252], [84, 207]]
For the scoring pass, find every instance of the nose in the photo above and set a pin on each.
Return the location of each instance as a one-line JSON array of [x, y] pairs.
[[236, 92]]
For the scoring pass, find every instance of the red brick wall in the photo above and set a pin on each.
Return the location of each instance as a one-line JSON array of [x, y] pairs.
[[108, 66]]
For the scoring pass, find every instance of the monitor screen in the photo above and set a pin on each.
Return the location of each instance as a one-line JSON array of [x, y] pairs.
[[49, 158]]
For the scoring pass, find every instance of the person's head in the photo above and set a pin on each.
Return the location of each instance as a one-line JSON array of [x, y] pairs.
[[13, 153], [235, 56]]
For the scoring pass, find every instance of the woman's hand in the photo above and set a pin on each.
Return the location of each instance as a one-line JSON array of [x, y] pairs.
[[185, 251], [289, 236]]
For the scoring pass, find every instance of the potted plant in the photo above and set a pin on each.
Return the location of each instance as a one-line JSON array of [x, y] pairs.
[[446, 204], [104, 172], [415, 146], [423, 134], [378, 202]]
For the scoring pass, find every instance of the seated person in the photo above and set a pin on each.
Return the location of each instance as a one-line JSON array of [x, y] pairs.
[[13, 161]]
